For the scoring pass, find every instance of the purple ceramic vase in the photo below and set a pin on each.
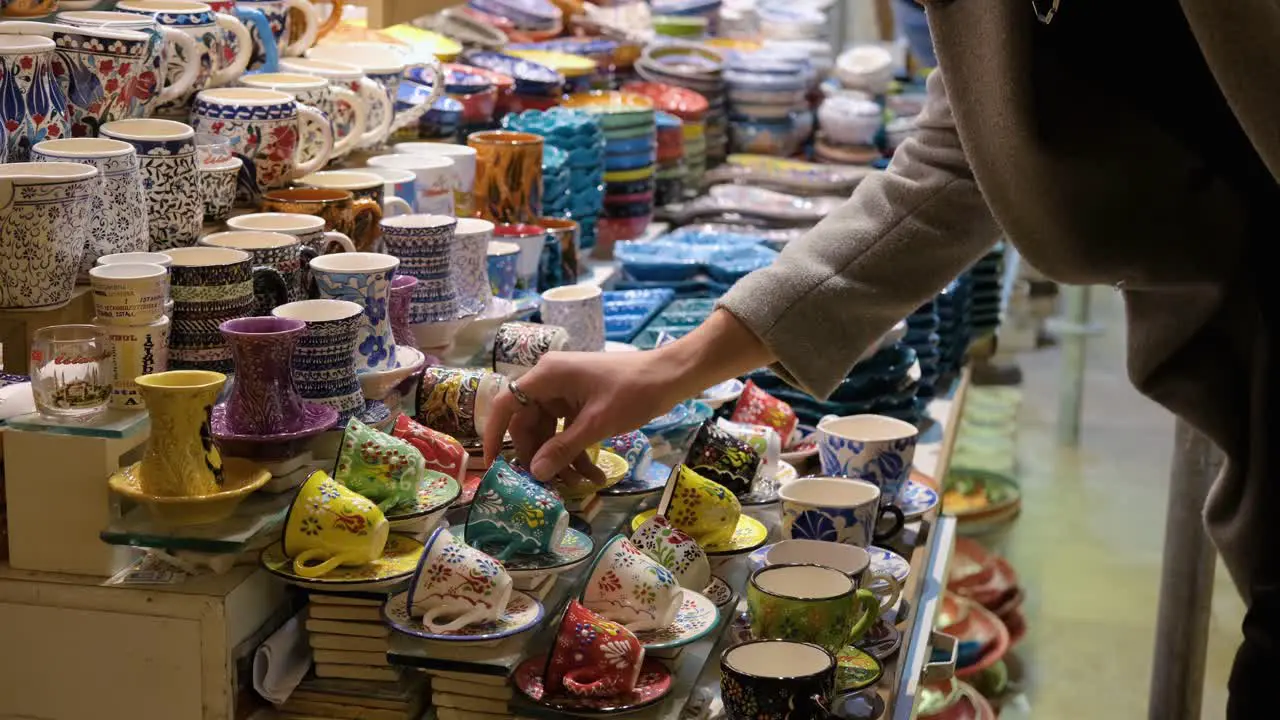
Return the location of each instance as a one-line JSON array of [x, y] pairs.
[[263, 398], [402, 287]]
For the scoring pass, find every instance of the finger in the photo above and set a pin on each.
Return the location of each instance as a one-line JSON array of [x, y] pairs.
[[558, 452], [495, 428], [589, 470]]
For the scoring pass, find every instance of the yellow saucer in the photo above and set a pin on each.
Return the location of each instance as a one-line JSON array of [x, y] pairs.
[[240, 478], [619, 176], [564, 63], [399, 559], [612, 464], [749, 535], [609, 102]]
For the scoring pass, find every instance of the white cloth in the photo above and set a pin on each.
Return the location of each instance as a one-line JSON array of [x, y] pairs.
[[282, 661]]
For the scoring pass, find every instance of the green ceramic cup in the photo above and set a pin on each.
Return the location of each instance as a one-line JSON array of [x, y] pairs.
[[809, 603], [385, 469], [513, 515]]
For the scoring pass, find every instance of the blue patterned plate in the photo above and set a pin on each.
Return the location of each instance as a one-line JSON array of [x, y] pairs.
[[697, 617], [575, 548], [889, 563], [523, 613], [654, 480], [916, 499]]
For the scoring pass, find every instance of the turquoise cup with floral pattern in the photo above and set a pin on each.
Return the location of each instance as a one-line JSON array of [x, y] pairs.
[[513, 515]]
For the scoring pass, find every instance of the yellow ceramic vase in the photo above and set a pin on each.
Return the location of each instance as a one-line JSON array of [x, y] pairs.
[[329, 526], [181, 459]]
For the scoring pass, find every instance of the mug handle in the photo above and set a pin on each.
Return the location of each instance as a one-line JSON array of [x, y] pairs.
[[333, 236], [360, 111], [431, 66], [820, 707], [370, 207], [898, 521], [374, 94], [474, 614], [393, 206], [303, 568], [244, 51], [870, 613], [331, 22], [190, 66], [250, 16], [311, 19], [308, 115], [269, 280], [895, 587], [583, 689]]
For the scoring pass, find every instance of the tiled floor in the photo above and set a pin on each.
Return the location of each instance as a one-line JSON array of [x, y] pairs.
[[1088, 545]]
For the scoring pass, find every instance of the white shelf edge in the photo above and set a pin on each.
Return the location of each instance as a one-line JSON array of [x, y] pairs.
[[917, 646]]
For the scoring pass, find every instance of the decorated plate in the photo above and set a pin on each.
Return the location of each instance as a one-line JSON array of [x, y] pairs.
[[575, 548], [436, 491], [316, 419], [398, 561], [523, 613], [470, 483], [916, 499], [856, 669], [654, 480], [804, 446], [240, 478], [653, 685], [697, 617], [718, 591], [882, 640], [889, 563], [749, 535], [724, 393]]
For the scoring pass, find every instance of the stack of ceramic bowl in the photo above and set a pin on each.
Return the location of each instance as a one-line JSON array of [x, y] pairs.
[[868, 68], [703, 13], [536, 86], [581, 136], [769, 111], [579, 71], [669, 180], [630, 131], [680, 27], [691, 107], [954, 331], [531, 17], [699, 68], [789, 20], [602, 51], [922, 336], [987, 276], [477, 94], [555, 181], [849, 128], [441, 122]]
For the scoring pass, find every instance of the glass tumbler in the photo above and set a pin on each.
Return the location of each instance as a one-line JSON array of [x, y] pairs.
[[71, 371]]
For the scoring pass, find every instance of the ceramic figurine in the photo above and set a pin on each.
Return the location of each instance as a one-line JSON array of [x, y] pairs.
[[593, 656], [324, 366], [181, 458], [631, 588], [512, 515], [45, 226], [383, 468], [456, 585], [365, 279], [34, 106], [167, 158], [329, 526]]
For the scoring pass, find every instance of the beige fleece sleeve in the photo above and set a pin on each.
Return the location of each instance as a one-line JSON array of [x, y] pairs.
[[903, 235]]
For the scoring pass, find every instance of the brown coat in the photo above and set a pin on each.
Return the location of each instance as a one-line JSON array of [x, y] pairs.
[[1014, 142]]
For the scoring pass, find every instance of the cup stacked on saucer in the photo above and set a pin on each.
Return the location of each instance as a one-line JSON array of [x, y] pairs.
[[581, 136], [630, 134]]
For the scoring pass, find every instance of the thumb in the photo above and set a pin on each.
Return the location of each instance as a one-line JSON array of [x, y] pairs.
[[562, 449]]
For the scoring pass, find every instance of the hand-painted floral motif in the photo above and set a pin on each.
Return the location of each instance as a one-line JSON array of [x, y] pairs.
[[723, 458], [44, 228], [33, 107], [370, 290], [512, 515], [440, 452], [457, 585], [593, 656], [385, 469], [172, 186], [674, 550], [629, 587], [757, 407]]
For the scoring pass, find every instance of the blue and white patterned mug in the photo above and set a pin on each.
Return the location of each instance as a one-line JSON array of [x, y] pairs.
[[835, 509], [364, 279], [324, 368], [502, 268], [167, 160], [634, 447], [424, 244], [873, 448]]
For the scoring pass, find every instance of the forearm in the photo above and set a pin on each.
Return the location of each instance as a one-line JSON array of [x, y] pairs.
[[720, 348]]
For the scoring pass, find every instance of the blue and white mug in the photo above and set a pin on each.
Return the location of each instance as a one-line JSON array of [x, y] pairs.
[[364, 279], [324, 369], [835, 509], [424, 244], [873, 448]]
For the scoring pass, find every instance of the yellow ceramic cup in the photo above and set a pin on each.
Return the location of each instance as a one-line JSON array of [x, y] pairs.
[[703, 509], [329, 525], [181, 459]]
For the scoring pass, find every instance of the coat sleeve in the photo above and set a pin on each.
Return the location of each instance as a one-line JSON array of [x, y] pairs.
[[903, 235]]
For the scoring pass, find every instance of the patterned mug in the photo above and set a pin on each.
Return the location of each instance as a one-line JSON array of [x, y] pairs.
[[456, 400], [470, 263], [364, 279], [634, 447], [385, 469], [324, 366], [874, 448], [379, 110], [757, 407], [424, 244], [48, 221], [809, 603], [342, 211], [167, 159], [702, 508], [281, 18], [675, 551], [836, 510], [328, 526], [717, 455], [320, 94], [580, 310], [268, 249], [512, 515], [440, 452], [456, 585], [631, 588], [777, 680], [35, 106], [593, 656], [518, 346], [501, 267]]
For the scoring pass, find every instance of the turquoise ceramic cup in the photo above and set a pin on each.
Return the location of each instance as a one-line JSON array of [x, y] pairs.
[[513, 515]]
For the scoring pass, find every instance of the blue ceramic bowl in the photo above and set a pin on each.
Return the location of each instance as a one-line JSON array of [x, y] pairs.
[[671, 434], [635, 161], [530, 77], [629, 146]]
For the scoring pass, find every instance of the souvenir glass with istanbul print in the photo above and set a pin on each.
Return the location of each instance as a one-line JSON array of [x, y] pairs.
[[512, 515], [330, 526], [457, 585], [71, 371]]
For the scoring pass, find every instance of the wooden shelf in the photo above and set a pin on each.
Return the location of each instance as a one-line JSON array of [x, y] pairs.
[[385, 13]]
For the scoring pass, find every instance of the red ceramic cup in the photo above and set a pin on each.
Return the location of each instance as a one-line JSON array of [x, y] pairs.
[[592, 657], [757, 407], [442, 452]]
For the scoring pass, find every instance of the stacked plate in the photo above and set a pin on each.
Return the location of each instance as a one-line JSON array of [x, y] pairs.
[[987, 276], [699, 68], [535, 87], [789, 20], [954, 331], [680, 27], [602, 51], [704, 12], [579, 71], [556, 197], [630, 131], [670, 176], [769, 110], [528, 16], [691, 107], [922, 336], [581, 137], [441, 122]]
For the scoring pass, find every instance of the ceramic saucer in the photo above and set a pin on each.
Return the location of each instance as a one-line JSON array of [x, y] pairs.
[[653, 685], [805, 447], [316, 419], [399, 560], [470, 483], [611, 464], [881, 640], [522, 614], [575, 548], [722, 394], [856, 670], [436, 492], [889, 563], [978, 628], [916, 499], [697, 617], [768, 493], [239, 479], [376, 385], [718, 591], [749, 535], [654, 480]]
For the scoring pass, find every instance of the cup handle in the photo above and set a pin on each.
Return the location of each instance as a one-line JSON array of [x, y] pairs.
[[898, 521], [375, 95], [870, 613], [269, 280], [308, 115], [582, 689], [895, 587], [331, 22], [360, 111], [333, 236], [368, 207], [302, 566], [393, 206], [429, 618], [311, 18], [431, 66], [190, 66], [244, 51], [250, 16]]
